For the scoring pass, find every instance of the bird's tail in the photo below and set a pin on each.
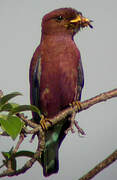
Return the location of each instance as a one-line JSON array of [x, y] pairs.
[[53, 139], [50, 161]]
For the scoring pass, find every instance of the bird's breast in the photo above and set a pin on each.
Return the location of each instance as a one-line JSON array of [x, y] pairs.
[[59, 75]]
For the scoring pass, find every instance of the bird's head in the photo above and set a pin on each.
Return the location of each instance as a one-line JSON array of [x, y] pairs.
[[64, 20]]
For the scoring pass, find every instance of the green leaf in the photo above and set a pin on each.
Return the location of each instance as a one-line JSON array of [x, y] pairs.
[[3, 117], [8, 106], [6, 155], [7, 97], [10, 155], [12, 125], [21, 108], [26, 154]]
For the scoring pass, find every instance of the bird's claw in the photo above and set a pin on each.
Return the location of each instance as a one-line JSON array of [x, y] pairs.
[[71, 128], [43, 122], [76, 103], [74, 123], [80, 130]]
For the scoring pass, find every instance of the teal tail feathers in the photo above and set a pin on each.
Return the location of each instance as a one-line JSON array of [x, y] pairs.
[[50, 160], [53, 139]]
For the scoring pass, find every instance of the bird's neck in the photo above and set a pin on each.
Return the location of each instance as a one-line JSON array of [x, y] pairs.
[[56, 37]]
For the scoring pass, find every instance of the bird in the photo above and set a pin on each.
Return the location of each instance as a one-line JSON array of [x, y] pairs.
[[56, 77]]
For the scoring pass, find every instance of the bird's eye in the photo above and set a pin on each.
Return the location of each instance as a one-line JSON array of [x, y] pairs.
[[59, 18]]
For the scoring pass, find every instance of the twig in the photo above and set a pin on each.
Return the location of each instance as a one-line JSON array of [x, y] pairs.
[[4, 133], [37, 129], [21, 138], [105, 163], [27, 166], [27, 121]]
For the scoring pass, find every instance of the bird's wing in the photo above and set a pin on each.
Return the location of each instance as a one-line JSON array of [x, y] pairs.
[[80, 82], [35, 74]]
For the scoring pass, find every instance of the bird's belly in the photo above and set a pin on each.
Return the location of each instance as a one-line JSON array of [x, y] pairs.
[[68, 89], [57, 92]]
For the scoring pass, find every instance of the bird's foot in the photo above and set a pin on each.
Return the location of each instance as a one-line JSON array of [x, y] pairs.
[[73, 121], [43, 122], [80, 130], [71, 127], [76, 103]]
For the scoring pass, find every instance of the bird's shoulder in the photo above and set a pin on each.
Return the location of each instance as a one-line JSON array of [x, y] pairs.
[[34, 60]]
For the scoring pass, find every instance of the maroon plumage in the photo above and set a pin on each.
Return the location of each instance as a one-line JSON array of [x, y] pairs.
[[56, 76]]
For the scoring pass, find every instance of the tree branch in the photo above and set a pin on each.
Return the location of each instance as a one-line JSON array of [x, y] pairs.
[[84, 105], [105, 163], [27, 165], [68, 111], [36, 128]]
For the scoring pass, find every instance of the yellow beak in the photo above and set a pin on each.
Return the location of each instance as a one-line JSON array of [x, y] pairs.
[[82, 21], [80, 18]]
